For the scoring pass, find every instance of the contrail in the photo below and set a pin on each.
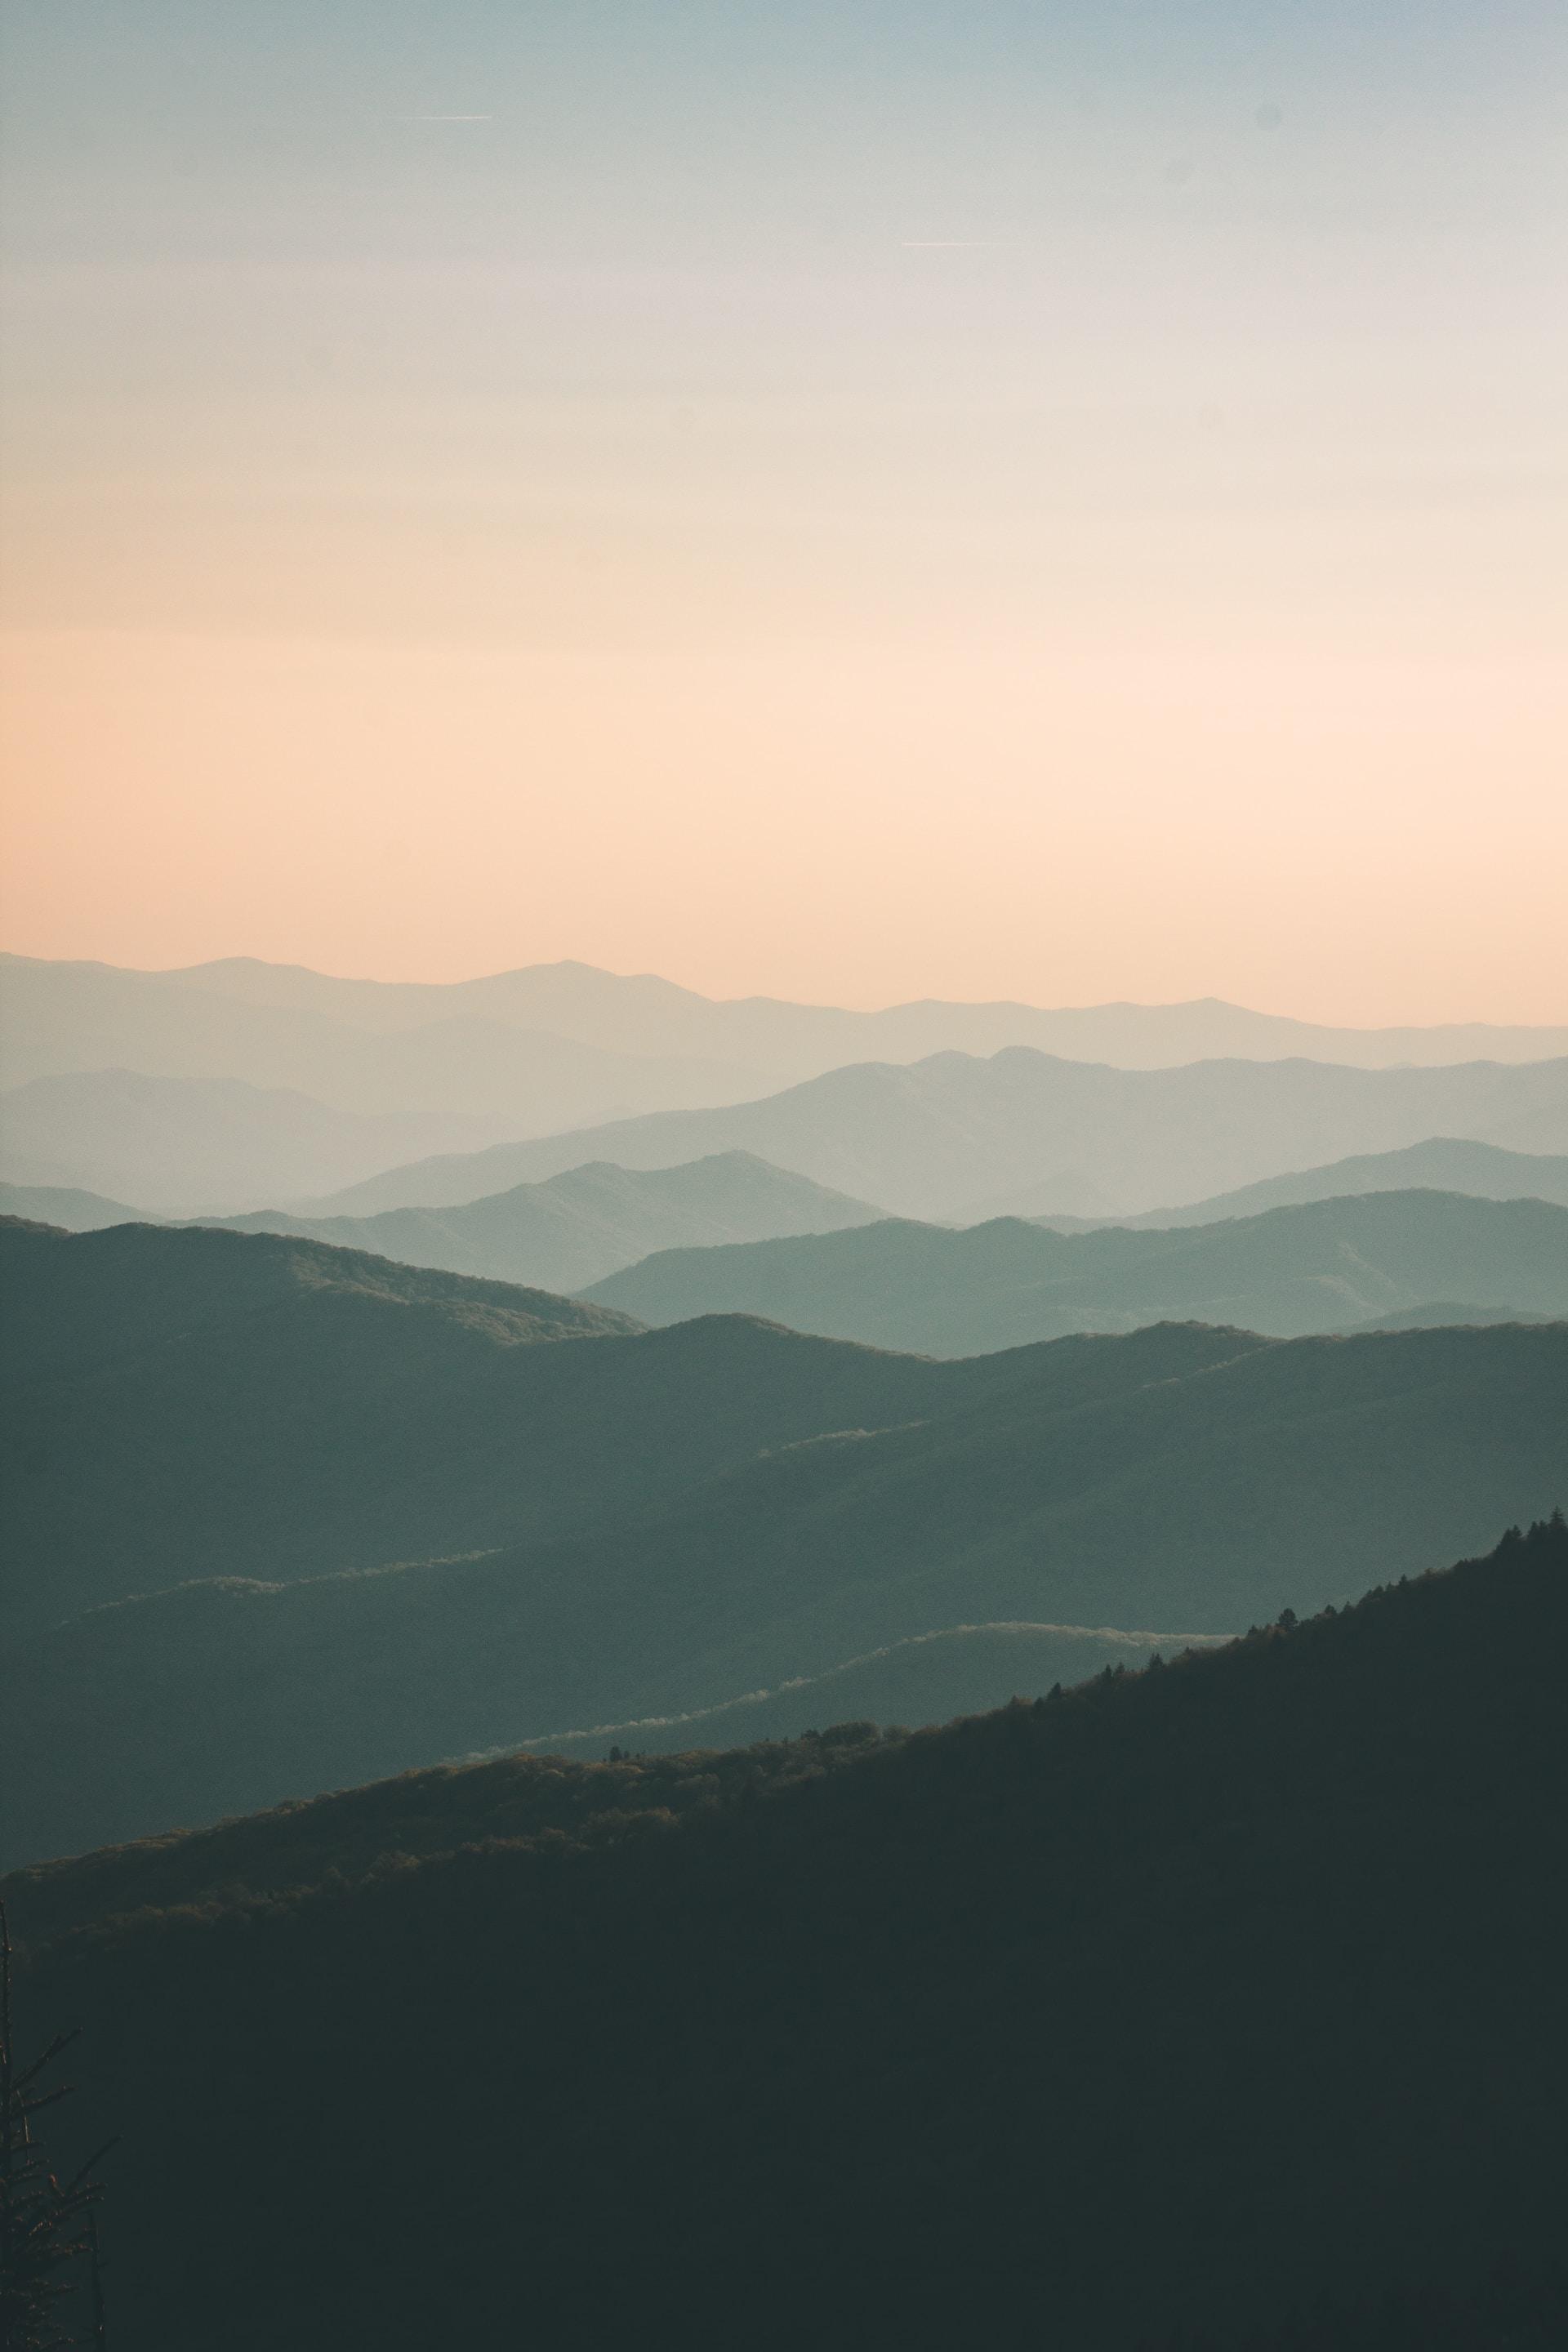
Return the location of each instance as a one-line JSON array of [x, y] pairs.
[[944, 244]]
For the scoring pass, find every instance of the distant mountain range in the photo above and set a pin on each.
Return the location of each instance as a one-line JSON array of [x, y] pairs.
[[238, 1087], [432, 1051], [1324, 1266], [577, 1227], [930, 1139], [1443, 1163], [358, 1041], [62, 1204], [182, 1144], [222, 1432], [1217, 2005]]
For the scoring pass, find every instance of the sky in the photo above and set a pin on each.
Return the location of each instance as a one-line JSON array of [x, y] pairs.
[[849, 501]]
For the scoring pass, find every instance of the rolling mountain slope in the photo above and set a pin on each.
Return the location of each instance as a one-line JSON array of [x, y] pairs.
[[1179, 1476], [587, 1222], [184, 1144], [926, 1678], [52, 1004], [1324, 1266], [926, 1140], [181, 1401], [1252, 1964]]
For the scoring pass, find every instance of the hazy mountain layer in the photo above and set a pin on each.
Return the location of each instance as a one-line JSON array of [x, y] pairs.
[[577, 1227], [927, 1140], [1181, 1476], [249, 1009], [181, 1145], [73, 1211], [1434, 1314], [1249, 1969], [447, 1056], [1322, 1268], [1441, 1164], [181, 1401]]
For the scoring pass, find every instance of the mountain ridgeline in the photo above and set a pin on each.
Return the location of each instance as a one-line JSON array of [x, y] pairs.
[[575, 1523], [943, 1137], [748, 1673], [1443, 1163], [1327, 1265], [1216, 2005], [281, 1024], [587, 1222], [179, 1145]]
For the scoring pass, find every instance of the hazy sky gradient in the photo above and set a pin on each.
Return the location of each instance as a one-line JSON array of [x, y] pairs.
[[1050, 501]]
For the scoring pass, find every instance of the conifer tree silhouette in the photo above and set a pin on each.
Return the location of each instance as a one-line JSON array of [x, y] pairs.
[[48, 2228]]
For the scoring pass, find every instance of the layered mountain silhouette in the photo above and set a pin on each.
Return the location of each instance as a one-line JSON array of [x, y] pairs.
[[74, 1212], [1434, 1313], [1324, 1266], [179, 1145], [577, 1227], [1441, 1164], [339, 1043], [1217, 2005], [930, 1139], [220, 1433], [182, 1401], [284, 1025]]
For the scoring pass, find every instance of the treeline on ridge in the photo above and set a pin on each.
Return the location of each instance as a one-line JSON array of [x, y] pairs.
[[1196, 2006]]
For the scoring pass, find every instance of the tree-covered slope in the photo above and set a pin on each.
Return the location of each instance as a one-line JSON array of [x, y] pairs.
[[1177, 1479], [1215, 2005], [1322, 1266], [198, 1402]]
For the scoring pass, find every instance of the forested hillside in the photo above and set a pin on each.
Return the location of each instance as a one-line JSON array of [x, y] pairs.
[[1326, 1266], [1215, 2005], [181, 1403], [658, 1523]]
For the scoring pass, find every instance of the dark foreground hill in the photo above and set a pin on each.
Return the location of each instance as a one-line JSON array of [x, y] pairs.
[[1181, 1477], [1218, 2005], [930, 1139], [586, 1222], [1324, 1266], [190, 1403]]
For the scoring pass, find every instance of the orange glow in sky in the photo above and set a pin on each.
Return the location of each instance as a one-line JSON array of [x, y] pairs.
[[1000, 511]]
